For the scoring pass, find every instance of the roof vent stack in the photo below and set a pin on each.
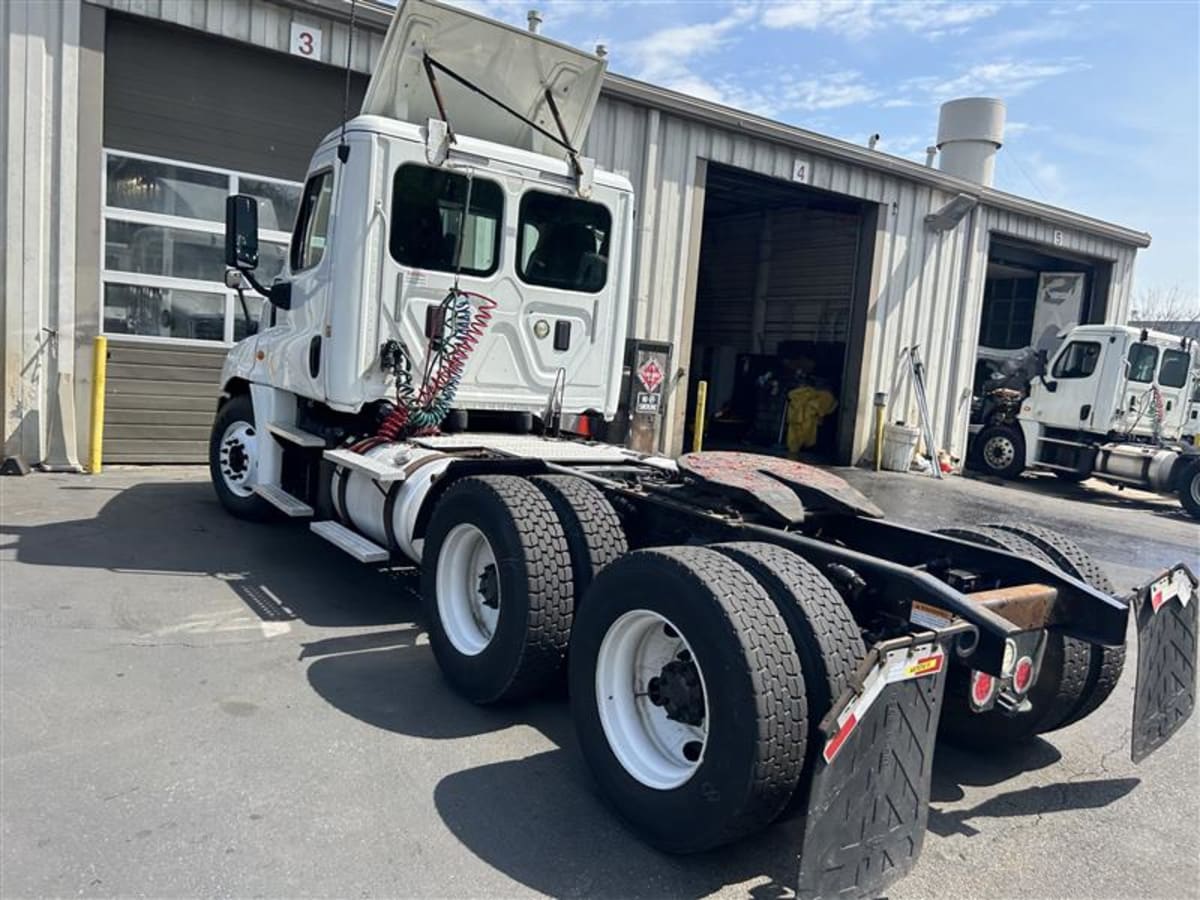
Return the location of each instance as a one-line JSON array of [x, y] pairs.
[[533, 19], [970, 131]]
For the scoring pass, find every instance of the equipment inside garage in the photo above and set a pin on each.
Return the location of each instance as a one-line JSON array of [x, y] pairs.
[[783, 269], [1030, 297]]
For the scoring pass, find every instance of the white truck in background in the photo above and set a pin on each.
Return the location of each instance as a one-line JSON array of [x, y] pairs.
[[1114, 402], [743, 630]]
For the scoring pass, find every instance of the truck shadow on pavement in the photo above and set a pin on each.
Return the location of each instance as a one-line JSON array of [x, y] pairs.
[[556, 835], [1092, 492]]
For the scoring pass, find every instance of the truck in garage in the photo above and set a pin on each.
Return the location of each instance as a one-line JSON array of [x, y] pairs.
[[742, 637]]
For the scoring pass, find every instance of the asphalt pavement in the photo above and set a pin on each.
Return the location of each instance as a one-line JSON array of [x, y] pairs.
[[193, 705]]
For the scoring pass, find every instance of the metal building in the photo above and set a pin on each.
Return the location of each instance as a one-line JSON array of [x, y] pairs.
[[128, 121]]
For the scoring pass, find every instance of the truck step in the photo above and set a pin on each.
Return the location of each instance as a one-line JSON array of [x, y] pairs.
[[295, 435], [362, 549], [380, 472], [283, 501], [1062, 442]]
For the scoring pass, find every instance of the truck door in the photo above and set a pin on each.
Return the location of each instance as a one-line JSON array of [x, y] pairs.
[[1173, 370], [292, 351], [1067, 397]]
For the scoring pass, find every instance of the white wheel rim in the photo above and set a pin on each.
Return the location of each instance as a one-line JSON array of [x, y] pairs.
[[238, 458], [659, 751], [468, 589], [999, 452]]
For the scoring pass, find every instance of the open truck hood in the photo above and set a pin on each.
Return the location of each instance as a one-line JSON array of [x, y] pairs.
[[514, 66]]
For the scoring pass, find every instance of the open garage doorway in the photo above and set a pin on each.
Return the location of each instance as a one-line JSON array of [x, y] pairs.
[[1032, 294], [782, 281]]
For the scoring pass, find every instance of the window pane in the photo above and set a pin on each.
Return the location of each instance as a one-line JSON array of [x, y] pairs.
[[277, 203], [257, 307], [1174, 370], [272, 259], [166, 188], [312, 224], [563, 242], [427, 221], [1142, 360], [155, 250], [164, 312], [1078, 360]]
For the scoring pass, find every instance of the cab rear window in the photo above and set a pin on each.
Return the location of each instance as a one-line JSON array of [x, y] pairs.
[[428, 221], [562, 242], [1142, 360], [1174, 369]]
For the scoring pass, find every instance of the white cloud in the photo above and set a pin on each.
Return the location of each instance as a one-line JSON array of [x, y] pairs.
[[856, 19], [1004, 78], [832, 90]]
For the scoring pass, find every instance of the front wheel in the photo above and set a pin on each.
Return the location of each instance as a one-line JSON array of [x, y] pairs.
[[233, 460], [1189, 492], [1002, 450], [687, 697]]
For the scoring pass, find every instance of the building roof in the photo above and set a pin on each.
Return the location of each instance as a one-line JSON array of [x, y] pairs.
[[376, 16]]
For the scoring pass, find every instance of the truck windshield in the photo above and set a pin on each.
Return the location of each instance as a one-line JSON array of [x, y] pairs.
[[563, 242], [1142, 361], [427, 220], [1174, 369]]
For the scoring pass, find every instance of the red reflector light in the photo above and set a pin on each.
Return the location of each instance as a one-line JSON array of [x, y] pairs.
[[1023, 675], [982, 686]]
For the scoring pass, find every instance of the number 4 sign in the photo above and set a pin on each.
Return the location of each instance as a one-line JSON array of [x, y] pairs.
[[306, 41]]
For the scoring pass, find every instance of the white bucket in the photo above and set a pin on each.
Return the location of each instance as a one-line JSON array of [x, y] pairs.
[[899, 445]]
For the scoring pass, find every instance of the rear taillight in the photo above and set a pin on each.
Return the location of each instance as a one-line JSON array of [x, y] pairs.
[[983, 687], [1023, 675]]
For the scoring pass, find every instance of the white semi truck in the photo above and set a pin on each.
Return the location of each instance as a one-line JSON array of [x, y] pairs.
[[1114, 403], [741, 635]]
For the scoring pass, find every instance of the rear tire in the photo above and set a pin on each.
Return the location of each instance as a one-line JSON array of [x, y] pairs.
[[233, 460], [1189, 492], [828, 640], [1106, 663], [593, 531], [496, 586], [1001, 451], [752, 711], [1058, 690]]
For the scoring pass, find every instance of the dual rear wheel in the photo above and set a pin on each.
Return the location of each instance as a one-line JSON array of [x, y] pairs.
[[697, 675]]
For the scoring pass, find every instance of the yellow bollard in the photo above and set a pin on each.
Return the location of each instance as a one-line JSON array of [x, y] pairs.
[[880, 406], [99, 374], [698, 425]]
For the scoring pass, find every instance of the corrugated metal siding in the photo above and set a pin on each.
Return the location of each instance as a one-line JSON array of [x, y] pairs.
[[263, 24], [928, 287], [159, 402]]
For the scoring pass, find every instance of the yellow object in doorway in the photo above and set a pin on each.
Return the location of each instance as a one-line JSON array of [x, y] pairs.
[[807, 406]]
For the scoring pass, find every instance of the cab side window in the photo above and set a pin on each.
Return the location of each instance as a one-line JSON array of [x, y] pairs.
[[312, 222], [563, 242], [1143, 359], [1078, 360]]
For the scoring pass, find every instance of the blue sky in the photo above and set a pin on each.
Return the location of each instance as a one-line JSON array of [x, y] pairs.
[[1103, 98]]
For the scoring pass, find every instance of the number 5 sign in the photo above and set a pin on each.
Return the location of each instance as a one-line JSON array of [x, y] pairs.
[[306, 41]]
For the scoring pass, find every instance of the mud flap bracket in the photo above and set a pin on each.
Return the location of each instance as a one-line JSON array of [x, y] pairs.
[[1166, 612], [869, 799]]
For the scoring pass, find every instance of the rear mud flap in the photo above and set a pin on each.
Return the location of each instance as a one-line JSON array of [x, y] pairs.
[[1166, 611], [869, 800]]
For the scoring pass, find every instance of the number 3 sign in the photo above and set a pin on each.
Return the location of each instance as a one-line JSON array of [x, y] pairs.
[[306, 41]]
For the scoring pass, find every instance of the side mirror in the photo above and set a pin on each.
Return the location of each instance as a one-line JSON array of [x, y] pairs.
[[1051, 386], [241, 232]]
